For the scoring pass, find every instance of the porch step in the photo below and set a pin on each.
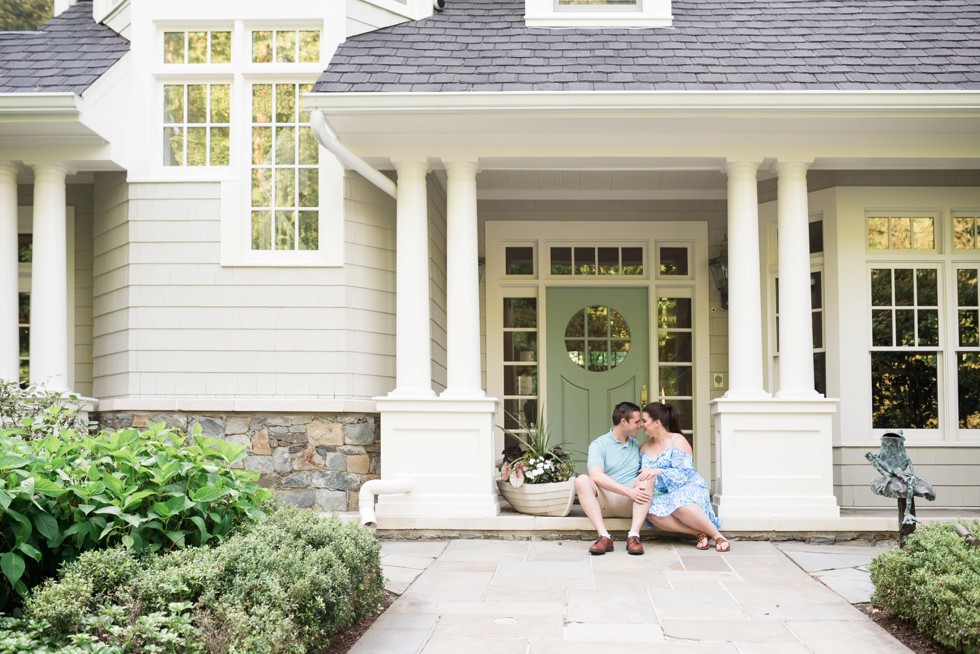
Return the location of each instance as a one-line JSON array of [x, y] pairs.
[[854, 524]]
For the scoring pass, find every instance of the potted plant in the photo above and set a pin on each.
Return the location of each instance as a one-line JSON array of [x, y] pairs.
[[536, 477]]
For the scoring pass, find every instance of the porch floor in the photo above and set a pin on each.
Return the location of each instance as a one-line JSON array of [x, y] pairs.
[[863, 524]]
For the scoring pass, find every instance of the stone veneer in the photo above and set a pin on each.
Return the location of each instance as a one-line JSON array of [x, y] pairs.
[[311, 460]]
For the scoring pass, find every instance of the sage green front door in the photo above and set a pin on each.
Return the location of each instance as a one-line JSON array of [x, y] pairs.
[[598, 356]]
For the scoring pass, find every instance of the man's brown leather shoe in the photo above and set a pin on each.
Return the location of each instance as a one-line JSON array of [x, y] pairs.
[[601, 545], [633, 545]]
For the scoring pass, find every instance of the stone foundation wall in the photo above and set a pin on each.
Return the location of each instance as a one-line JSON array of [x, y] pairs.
[[311, 460]]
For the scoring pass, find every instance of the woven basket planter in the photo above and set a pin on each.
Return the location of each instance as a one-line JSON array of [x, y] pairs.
[[540, 499]]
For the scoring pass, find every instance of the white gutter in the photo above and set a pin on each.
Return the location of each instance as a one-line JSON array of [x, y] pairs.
[[348, 158], [39, 106], [374, 487], [763, 102]]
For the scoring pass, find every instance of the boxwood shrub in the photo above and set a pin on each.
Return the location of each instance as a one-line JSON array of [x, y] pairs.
[[285, 584], [935, 583], [152, 490]]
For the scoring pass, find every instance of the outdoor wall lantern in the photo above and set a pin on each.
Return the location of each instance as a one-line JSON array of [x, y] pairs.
[[719, 272]]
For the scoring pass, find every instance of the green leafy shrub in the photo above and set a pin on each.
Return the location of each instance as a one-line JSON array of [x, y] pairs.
[[285, 584], [154, 490], [935, 583]]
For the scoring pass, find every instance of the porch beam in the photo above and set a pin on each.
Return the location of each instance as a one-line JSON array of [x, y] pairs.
[[462, 283], [413, 343], [795, 307], [9, 339], [49, 279], [744, 284]]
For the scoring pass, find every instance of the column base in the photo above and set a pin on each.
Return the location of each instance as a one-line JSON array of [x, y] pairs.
[[445, 446], [775, 458]]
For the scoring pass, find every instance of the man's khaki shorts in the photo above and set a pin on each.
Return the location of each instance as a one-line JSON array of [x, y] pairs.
[[614, 505]]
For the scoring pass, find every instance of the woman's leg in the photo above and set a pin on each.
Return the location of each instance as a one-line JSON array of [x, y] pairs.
[[694, 517], [670, 523]]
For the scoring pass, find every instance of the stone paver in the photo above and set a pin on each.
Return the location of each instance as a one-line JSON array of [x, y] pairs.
[[544, 597]]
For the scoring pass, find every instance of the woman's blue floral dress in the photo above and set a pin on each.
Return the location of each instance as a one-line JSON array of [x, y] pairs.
[[679, 484]]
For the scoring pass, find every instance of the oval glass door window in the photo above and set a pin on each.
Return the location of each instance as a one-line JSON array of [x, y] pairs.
[[597, 338]]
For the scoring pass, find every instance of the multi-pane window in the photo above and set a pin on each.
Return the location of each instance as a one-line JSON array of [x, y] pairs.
[[597, 338], [285, 46], [24, 334], [968, 348], [196, 124], [520, 361], [600, 261], [901, 232], [197, 47], [675, 357], [284, 170], [905, 324]]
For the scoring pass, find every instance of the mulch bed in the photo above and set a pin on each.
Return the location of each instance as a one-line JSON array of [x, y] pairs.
[[343, 641], [903, 630]]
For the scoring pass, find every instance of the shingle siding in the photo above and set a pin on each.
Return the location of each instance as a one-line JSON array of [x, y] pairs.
[[67, 54], [484, 45]]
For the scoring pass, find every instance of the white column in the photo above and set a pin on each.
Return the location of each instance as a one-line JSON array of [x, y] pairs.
[[9, 341], [795, 311], [413, 343], [49, 280], [462, 283], [744, 295]]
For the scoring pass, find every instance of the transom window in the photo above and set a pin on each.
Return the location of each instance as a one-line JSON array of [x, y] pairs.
[[966, 232], [901, 232], [196, 124], [604, 5], [285, 46], [599, 261], [197, 47]]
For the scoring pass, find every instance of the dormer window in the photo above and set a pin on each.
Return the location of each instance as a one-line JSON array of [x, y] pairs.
[[597, 13]]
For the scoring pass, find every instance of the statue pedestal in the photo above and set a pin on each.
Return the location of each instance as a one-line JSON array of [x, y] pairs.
[[775, 458]]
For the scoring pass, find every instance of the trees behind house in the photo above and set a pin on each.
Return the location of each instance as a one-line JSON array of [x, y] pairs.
[[24, 14]]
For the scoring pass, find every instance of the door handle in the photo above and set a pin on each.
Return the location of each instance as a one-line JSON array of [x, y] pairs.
[[644, 396]]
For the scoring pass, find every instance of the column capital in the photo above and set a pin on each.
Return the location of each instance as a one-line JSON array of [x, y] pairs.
[[742, 167], [420, 165], [42, 168], [9, 170], [791, 166], [462, 165]]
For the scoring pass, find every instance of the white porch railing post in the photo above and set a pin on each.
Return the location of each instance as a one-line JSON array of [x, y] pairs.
[[795, 310], [49, 280], [462, 283], [9, 340], [413, 343], [744, 294]]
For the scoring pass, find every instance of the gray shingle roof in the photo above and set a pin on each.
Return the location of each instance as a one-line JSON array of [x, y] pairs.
[[483, 45], [67, 54]]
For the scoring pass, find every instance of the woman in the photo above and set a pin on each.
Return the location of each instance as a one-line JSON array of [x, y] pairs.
[[680, 502]]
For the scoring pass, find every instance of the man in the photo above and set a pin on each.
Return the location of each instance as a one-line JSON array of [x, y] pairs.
[[614, 487]]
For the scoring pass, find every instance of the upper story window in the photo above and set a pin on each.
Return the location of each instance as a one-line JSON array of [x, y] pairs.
[[286, 46], [902, 232], [598, 13], [196, 124], [197, 47]]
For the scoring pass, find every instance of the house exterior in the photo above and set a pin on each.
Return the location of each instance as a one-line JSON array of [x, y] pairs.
[[359, 237]]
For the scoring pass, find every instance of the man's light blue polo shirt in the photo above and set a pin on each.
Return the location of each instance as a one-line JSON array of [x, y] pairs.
[[621, 461]]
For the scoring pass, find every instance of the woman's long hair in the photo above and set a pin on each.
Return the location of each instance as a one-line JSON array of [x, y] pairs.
[[666, 414]]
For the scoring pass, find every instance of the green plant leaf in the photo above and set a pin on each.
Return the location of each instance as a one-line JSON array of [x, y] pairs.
[[46, 525], [30, 551], [47, 487], [4, 500], [109, 510], [12, 565], [10, 462], [128, 541], [21, 526], [208, 494]]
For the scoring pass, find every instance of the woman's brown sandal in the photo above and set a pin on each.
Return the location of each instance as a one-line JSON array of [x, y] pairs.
[[702, 543], [722, 544]]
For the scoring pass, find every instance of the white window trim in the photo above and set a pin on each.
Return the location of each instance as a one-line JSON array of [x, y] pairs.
[[648, 13]]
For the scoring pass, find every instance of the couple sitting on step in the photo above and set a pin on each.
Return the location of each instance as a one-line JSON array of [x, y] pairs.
[[654, 482]]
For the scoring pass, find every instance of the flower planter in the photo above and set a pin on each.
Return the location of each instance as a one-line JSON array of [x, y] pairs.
[[553, 499]]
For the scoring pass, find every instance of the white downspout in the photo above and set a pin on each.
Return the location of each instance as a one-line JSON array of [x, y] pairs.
[[348, 158], [365, 497]]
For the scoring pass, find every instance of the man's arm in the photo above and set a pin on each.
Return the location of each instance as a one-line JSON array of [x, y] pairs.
[[604, 481]]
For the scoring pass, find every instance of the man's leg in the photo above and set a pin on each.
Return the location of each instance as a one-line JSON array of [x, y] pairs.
[[633, 545], [588, 497]]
